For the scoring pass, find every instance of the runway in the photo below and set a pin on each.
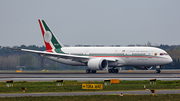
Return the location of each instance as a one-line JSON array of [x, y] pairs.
[[84, 75], [81, 76], [91, 93]]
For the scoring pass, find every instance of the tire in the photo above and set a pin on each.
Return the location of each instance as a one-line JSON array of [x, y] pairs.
[[110, 70], [93, 71], [88, 71], [158, 71], [116, 70], [113, 70]]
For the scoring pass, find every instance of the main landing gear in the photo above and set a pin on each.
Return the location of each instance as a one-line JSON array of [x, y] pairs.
[[113, 70], [90, 71]]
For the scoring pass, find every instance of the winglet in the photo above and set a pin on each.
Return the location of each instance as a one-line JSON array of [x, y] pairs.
[[49, 38]]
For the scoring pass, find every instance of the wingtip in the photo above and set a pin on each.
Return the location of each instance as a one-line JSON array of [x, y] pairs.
[[13, 48]]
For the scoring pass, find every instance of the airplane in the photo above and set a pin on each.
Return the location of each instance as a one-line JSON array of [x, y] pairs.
[[100, 58]]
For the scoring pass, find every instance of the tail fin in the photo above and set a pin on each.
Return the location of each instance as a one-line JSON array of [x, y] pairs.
[[50, 39]]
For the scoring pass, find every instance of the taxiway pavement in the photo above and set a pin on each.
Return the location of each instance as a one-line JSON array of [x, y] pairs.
[[91, 93], [50, 76]]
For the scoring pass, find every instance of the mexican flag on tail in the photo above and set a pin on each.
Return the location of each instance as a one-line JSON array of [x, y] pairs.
[[50, 39]]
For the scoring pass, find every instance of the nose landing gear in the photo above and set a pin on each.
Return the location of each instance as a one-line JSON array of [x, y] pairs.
[[158, 69]]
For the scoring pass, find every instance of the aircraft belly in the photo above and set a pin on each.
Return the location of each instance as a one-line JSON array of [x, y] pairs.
[[140, 61]]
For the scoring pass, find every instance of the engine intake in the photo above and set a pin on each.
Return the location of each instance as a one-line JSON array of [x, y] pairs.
[[97, 64]]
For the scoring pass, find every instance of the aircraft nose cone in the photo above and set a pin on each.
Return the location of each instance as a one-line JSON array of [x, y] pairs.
[[169, 60]]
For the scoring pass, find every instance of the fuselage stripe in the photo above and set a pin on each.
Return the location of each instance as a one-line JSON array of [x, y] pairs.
[[130, 56]]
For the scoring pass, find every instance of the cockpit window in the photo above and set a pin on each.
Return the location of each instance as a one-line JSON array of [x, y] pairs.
[[163, 54]]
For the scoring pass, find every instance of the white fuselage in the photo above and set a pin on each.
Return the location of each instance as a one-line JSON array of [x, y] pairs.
[[124, 56]]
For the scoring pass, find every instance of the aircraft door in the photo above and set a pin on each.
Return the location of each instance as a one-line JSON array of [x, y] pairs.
[[151, 58], [129, 58], [86, 52]]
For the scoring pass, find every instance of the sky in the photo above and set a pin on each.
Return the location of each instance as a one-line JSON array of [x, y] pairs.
[[91, 22]]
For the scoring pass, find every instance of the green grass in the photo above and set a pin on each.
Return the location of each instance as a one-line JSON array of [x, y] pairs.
[[167, 97], [75, 86]]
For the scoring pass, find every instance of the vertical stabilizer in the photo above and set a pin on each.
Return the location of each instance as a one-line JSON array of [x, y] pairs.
[[50, 39]]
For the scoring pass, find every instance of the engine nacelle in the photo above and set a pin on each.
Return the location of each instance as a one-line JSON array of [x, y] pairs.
[[143, 67], [97, 64]]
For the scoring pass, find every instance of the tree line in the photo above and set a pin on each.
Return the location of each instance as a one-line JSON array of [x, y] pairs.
[[12, 59]]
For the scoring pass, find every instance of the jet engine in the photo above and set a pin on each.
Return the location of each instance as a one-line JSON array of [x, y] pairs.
[[143, 67], [97, 64]]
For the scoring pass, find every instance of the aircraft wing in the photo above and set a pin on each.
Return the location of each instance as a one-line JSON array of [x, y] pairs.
[[60, 55]]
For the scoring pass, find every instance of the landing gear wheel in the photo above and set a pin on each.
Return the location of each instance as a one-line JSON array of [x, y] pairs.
[[113, 70], [116, 70], [158, 71], [110, 70], [88, 70], [93, 71]]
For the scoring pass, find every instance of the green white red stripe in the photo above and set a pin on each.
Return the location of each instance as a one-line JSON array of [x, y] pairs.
[[50, 39]]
